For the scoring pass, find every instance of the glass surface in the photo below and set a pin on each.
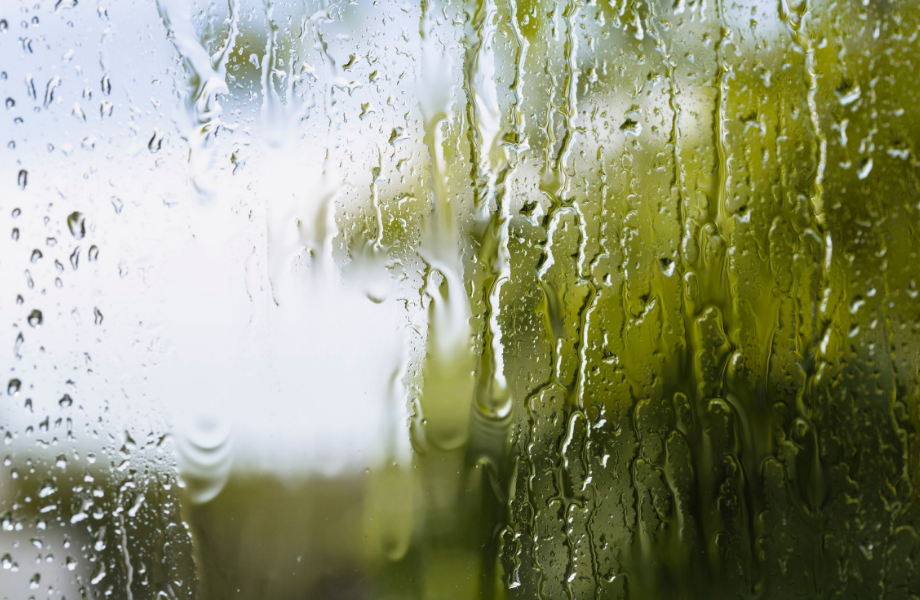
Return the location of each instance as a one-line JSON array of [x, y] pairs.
[[506, 299]]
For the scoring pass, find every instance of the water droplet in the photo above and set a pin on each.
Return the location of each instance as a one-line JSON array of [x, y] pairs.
[[23, 179], [99, 574], [156, 141], [848, 93], [631, 127], [35, 318], [66, 401], [30, 86], [62, 4], [53, 84], [46, 489], [667, 266], [77, 224], [912, 290]]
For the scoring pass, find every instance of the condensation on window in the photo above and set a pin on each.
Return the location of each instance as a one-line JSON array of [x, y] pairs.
[[443, 300]]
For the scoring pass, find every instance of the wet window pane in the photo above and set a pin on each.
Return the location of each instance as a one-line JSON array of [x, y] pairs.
[[504, 299]]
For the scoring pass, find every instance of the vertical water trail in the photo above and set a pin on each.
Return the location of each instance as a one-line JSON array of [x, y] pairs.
[[555, 186], [375, 201], [482, 109], [126, 558], [665, 47], [206, 79], [806, 43], [799, 22], [569, 97], [281, 109], [374, 261], [272, 111], [447, 388], [203, 437], [722, 217], [490, 130], [815, 351], [313, 207]]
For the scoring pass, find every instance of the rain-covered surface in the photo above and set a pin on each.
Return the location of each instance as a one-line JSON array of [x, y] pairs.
[[446, 300]]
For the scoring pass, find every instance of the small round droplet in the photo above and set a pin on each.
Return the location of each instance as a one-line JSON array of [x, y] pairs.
[[77, 224], [35, 318], [10, 103], [13, 387], [66, 401]]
